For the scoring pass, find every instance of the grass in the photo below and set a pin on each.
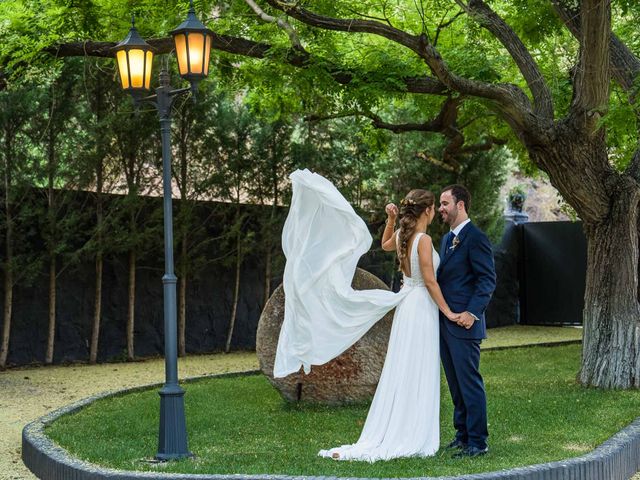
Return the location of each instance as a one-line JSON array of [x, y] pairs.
[[537, 413], [516, 335]]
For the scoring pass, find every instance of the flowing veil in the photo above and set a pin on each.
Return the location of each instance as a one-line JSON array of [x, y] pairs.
[[323, 239]]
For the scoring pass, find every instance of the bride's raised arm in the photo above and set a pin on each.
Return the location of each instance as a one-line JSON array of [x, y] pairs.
[[389, 235], [425, 249]]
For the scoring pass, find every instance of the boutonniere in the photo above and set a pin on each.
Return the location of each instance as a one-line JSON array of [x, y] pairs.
[[454, 243]]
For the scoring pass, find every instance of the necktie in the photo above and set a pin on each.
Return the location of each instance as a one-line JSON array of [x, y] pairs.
[[450, 240], [448, 244]]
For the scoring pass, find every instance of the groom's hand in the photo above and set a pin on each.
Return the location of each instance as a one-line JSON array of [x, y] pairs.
[[466, 320]]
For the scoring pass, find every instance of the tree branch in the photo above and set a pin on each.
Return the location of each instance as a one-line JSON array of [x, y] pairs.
[[224, 43], [247, 48], [434, 125], [377, 122], [445, 123], [625, 66], [486, 145], [490, 20], [633, 169], [446, 119], [509, 99], [347, 25], [283, 24], [436, 161], [442, 25], [370, 17], [593, 74]]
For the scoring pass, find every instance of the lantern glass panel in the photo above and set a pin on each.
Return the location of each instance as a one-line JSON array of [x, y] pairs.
[[181, 52], [147, 73], [136, 68], [196, 51], [123, 68], [207, 51]]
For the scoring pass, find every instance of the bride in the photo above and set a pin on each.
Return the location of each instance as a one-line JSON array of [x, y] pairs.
[[323, 238]]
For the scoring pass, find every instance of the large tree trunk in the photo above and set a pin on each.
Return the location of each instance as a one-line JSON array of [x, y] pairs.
[[611, 343], [52, 311], [608, 204], [132, 304]]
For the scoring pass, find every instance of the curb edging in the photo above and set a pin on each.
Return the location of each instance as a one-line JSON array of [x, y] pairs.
[[616, 459]]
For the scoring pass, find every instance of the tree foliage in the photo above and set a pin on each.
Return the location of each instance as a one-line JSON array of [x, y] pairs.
[[361, 109]]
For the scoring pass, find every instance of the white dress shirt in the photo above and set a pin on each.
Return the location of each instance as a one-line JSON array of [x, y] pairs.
[[456, 231]]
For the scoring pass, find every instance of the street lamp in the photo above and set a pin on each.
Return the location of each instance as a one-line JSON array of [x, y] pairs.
[[135, 57]]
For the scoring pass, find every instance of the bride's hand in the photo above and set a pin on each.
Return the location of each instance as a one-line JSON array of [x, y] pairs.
[[454, 317], [391, 210]]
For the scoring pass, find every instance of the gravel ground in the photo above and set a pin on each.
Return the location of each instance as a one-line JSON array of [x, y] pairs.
[[30, 392]]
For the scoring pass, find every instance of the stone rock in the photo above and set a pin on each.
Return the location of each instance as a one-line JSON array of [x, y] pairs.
[[351, 377]]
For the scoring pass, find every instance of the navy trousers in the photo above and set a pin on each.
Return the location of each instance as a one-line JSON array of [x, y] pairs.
[[461, 362]]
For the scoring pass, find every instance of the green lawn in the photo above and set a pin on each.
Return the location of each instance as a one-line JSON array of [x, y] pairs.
[[537, 413], [516, 335]]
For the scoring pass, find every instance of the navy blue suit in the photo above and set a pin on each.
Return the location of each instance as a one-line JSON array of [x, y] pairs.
[[467, 278]]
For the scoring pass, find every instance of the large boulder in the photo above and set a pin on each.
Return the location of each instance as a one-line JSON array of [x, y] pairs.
[[351, 377]]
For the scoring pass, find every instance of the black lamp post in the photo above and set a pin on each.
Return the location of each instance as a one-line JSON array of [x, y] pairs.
[[135, 56]]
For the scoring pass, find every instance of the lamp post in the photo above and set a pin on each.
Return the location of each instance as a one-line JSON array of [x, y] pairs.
[[134, 57]]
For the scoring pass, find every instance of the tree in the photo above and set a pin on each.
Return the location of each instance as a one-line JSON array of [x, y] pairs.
[[136, 146], [273, 161], [551, 94], [233, 175], [19, 264], [97, 103], [569, 146], [57, 132], [98, 177], [195, 167]]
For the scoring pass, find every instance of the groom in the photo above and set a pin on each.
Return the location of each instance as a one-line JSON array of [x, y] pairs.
[[467, 278]]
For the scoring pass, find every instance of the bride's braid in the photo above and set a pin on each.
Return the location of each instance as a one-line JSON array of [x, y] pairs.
[[416, 202]]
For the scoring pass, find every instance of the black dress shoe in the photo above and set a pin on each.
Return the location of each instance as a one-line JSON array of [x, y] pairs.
[[457, 444], [470, 452]]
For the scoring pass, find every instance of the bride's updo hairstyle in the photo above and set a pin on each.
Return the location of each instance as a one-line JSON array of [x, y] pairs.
[[411, 207]]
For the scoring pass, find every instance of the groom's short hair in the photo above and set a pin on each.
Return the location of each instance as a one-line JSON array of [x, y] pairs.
[[461, 194]]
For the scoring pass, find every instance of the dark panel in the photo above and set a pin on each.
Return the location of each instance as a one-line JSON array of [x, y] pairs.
[[554, 262]]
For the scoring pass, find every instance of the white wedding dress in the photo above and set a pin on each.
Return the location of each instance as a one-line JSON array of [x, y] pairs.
[[322, 239]]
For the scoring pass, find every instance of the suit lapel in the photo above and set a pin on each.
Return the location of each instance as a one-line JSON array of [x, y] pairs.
[[448, 254]]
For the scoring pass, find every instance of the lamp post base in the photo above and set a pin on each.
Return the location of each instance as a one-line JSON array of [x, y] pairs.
[[172, 441]]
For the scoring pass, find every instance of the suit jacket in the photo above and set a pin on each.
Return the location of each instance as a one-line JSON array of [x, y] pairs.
[[467, 278]]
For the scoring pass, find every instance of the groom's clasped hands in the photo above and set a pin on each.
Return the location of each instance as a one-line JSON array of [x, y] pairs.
[[464, 319]]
